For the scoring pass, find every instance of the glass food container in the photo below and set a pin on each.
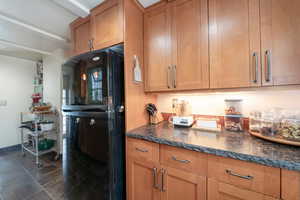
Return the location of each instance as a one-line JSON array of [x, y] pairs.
[[233, 107], [270, 123], [290, 125], [233, 123], [255, 121]]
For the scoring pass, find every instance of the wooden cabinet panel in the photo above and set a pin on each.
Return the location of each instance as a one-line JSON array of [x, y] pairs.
[[245, 175], [179, 185], [190, 43], [234, 39], [186, 160], [157, 48], [280, 30], [290, 185], [222, 191], [140, 180], [80, 33], [107, 24], [144, 150]]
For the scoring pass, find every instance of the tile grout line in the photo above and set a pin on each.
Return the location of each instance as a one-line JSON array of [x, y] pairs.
[[43, 188]]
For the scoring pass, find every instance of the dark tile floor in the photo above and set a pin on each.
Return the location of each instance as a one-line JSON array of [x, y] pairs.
[[20, 179]]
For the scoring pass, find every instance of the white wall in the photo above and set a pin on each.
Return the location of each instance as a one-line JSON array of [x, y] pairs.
[[16, 87], [53, 82], [52, 77], [213, 103]]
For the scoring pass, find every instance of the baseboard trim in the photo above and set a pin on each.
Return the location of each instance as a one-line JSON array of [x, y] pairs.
[[11, 148]]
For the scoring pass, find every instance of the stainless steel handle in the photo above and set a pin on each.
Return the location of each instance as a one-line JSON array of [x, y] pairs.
[[168, 76], [141, 150], [155, 184], [92, 122], [255, 61], [268, 66], [77, 120], [231, 173], [163, 172], [174, 76], [182, 161], [90, 45]]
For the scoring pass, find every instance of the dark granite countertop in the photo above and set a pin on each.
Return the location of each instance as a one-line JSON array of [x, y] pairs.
[[241, 146]]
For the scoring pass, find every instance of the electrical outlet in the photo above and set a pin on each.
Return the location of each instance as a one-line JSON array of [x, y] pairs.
[[3, 103]]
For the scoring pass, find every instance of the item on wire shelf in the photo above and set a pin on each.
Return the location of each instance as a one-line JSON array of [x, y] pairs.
[[233, 119], [208, 124], [46, 125], [155, 117], [46, 144]]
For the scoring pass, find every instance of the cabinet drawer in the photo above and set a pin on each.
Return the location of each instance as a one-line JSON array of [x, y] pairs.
[[219, 191], [143, 150], [187, 160], [250, 176]]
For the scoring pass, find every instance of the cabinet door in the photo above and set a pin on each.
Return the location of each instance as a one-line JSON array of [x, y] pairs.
[[290, 185], [280, 30], [190, 44], [140, 180], [107, 24], [234, 43], [80, 33], [179, 185], [157, 49], [222, 191]]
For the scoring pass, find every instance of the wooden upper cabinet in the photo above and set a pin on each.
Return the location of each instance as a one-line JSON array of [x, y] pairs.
[[222, 191], [107, 24], [80, 33], [234, 43], [179, 185], [157, 53], [190, 44], [280, 31]]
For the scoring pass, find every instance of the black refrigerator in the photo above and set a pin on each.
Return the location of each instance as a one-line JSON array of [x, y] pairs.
[[94, 125]]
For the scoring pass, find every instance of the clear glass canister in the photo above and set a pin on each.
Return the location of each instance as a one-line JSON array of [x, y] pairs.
[[233, 107], [233, 123], [255, 121], [290, 129], [270, 123]]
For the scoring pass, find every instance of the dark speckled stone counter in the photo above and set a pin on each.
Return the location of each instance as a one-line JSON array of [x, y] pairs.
[[241, 146]]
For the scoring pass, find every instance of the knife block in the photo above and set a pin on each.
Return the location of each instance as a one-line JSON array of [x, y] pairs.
[[156, 119]]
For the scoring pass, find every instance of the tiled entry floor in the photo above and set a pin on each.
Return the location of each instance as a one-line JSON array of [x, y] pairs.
[[20, 179]]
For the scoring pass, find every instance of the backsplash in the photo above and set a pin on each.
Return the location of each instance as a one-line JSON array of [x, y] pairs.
[[213, 103]]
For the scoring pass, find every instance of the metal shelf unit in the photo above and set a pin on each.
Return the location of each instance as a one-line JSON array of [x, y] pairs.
[[35, 135]]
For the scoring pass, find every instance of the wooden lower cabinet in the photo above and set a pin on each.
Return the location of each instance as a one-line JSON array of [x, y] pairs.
[[290, 185], [140, 180], [222, 191], [179, 185]]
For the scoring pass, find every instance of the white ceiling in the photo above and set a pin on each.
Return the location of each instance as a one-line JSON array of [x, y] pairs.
[[32, 28]]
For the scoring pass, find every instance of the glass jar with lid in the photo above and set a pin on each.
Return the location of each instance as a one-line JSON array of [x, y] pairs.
[[290, 125], [271, 122], [255, 121]]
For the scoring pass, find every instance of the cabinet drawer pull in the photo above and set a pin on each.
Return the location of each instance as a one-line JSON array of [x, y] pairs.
[[182, 161], [255, 61], [268, 66], [141, 150], [163, 172], [155, 184], [168, 77], [231, 173], [174, 76]]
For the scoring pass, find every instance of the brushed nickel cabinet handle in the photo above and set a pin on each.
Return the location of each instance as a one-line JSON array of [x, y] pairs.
[[255, 61], [174, 76], [182, 161], [90, 45], [163, 172], [231, 173], [155, 184], [268, 66], [168, 77], [141, 150]]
